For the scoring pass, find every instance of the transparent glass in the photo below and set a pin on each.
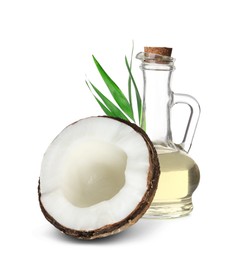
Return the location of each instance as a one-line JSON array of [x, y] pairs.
[[179, 173]]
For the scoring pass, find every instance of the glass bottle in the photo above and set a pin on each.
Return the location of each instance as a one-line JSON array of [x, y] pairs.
[[179, 173]]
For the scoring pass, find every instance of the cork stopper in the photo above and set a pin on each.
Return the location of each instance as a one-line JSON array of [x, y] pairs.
[[164, 51]]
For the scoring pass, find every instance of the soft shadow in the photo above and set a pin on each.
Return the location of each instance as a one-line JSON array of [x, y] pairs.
[[136, 232]]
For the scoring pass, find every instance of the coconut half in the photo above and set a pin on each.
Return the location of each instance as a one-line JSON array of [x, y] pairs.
[[98, 177]]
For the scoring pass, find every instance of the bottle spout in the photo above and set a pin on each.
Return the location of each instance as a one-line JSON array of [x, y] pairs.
[[152, 61], [156, 55], [155, 58]]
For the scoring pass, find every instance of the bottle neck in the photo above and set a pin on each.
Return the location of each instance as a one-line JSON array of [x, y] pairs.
[[157, 98]]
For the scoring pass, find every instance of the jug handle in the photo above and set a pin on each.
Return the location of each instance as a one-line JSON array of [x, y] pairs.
[[195, 111]]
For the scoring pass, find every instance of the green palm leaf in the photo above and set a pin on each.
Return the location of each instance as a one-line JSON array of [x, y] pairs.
[[108, 107], [138, 97], [103, 107], [115, 91], [130, 81]]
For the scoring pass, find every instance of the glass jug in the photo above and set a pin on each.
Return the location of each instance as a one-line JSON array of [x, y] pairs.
[[179, 173]]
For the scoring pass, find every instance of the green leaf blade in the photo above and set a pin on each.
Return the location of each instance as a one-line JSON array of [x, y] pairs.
[[130, 81], [103, 107], [115, 91], [138, 97], [114, 111]]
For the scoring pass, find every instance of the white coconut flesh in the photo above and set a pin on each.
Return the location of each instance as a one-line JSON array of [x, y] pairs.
[[94, 173]]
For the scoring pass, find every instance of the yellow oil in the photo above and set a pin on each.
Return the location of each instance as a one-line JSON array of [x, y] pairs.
[[178, 180]]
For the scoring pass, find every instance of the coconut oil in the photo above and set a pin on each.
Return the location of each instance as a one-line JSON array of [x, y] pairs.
[[179, 173], [178, 180]]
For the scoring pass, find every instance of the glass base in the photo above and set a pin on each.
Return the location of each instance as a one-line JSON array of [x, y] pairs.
[[169, 209]]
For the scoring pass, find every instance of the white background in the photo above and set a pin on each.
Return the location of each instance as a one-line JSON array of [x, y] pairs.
[[45, 53]]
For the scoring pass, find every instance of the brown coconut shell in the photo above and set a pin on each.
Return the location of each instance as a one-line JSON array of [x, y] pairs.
[[135, 215]]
